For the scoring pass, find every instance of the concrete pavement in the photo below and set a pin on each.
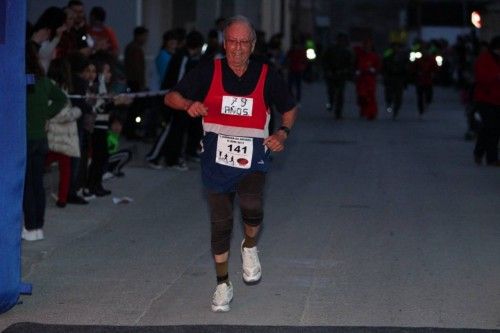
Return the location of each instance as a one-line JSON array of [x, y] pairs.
[[384, 223]]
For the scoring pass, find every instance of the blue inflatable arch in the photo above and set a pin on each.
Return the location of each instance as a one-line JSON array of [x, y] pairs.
[[12, 147]]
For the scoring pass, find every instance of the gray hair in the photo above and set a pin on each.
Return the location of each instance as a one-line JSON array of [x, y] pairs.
[[240, 19]]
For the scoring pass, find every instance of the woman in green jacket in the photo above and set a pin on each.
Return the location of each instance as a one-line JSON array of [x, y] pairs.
[[44, 100]]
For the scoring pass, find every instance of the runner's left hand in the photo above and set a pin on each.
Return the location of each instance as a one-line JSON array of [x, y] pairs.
[[276, 142]]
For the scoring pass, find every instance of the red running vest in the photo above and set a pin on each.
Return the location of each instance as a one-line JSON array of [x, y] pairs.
[[235, 115]]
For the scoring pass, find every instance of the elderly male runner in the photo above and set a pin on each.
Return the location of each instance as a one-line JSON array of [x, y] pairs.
[[233, 95]]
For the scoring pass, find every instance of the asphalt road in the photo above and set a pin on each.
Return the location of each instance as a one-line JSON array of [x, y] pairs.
[[384, 223]]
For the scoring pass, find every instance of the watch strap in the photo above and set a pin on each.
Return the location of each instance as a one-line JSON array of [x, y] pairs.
[[285, 129]]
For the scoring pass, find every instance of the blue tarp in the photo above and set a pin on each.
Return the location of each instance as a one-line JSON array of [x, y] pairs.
[[12, 147]]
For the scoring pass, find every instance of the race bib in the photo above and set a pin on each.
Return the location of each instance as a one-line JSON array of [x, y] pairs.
[[237, 106], [234, 151]]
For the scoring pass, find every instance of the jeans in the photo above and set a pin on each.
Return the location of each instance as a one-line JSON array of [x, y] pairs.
[[34, 191], [99, 158]]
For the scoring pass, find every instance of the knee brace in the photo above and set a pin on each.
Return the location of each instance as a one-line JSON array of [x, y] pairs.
[[252, 211], [221, 235], [221, 220]]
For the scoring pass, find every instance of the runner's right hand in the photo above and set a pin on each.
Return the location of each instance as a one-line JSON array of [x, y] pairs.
[[197, 109]]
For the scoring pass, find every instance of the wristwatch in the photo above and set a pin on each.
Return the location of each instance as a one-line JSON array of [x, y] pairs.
[[285, 129]]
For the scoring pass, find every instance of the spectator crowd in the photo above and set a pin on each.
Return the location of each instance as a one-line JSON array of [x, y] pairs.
[[82, 100]]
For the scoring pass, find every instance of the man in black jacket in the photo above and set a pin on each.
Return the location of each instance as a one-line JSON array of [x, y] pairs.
[[171, 140]]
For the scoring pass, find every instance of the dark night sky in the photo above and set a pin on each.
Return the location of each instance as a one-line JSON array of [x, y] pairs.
[[443, 13]]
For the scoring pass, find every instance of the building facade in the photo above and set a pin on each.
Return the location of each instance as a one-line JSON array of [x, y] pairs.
[[270, 16]]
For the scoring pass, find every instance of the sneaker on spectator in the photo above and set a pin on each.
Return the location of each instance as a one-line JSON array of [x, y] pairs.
[[222, 297], [180, 166], [30, 235], [119, 174], [100, 192], [155, 166], [251, 265], [86, 194], [193, 158], [107, 175], [76, 200], [39, 234]]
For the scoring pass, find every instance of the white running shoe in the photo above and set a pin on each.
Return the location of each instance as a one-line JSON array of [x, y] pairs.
[[39, 234], [107, 176], [251, 265], [31, 235], [222, 297]]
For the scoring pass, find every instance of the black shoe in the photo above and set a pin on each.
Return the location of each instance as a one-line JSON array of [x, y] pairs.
[[60, 204], [87, 195], [155, 166], [193, 158], [180, 166], [119, 174], [493, 164], [76, 200], [100, 192]]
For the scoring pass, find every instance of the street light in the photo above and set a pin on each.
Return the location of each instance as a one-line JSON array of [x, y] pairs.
[[475, 18], [415, 55], [439, 60], [311, 54]]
